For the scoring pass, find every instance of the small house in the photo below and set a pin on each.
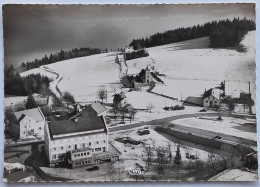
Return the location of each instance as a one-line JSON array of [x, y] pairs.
[[31, 122], [95, 109], [211, 98]]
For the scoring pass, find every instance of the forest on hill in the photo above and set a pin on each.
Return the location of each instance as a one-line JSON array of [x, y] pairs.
[[14, 84], [222, 33], [62, 55]]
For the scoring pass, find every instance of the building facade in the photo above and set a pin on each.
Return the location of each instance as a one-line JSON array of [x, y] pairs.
[[77, 142], [31, 122]]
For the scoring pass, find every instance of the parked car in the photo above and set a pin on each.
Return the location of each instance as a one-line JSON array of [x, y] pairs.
[[218, 137], [203, 110], [93, 168]]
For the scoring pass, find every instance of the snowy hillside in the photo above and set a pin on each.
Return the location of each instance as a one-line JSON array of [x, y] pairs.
[[83, 76], [189, 69]]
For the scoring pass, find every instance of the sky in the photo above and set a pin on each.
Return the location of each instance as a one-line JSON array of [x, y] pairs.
[[31, 31]]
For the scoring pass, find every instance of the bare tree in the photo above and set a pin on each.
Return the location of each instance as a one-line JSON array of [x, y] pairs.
[[102, 94], [211, 162], [149, 107], [132, 113]]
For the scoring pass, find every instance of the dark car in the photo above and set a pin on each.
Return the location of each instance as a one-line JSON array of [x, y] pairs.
[[93, 168], [217, 137], [203, 110]]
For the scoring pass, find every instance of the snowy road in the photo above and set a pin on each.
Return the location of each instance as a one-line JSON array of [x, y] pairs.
[[54, 84]]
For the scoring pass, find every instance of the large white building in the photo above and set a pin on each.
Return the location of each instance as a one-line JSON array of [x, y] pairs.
[[81, 141], [31, 122]]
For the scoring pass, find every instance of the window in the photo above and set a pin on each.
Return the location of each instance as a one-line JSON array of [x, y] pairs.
[[216, 102], [89, 143], [54, 156], [97, 142], [83, 145], [75, 155], [54, 148], [23, 132], [87, 153], [78, 154], [81, 154], [97, 149], [84, 154], [61, 147], [40, 128], [104, 141]]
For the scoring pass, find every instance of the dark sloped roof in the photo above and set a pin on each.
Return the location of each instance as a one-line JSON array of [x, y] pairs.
[[207, 93], [34, 113], [194, 100], [69, 126]]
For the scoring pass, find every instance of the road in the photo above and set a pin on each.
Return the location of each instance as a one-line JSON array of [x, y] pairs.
[[54, 84], [162, 122]]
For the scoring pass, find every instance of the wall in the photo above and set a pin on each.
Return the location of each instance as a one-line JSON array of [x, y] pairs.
[[62, 146]]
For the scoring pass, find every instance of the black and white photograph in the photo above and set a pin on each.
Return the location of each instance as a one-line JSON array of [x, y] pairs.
[[129, 93]]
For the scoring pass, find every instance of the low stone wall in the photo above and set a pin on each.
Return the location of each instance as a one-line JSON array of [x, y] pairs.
[[219, 144]]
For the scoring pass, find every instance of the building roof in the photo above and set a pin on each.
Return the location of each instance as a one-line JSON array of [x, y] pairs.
[[194, 100], [34, 113], [82, 125], [215, 92], [98, 107]]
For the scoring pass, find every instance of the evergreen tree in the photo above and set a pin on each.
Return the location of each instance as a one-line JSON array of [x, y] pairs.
[[177, 158], [31, 103]]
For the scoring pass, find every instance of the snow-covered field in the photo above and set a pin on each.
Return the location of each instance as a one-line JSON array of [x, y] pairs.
[[189, 69], [235, 175], [38, 71], [229, 126], [84, 76], [140, 100], [132, 154], [16, 100]]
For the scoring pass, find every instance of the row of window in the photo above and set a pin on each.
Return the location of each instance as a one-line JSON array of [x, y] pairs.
[[81, 154], [76, 146]]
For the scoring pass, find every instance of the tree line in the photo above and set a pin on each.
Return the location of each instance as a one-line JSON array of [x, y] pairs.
[[14, 84], [61, 55], [222, 33]]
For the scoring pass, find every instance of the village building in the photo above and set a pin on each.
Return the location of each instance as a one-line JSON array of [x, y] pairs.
[[95, 109], [129, 49], [119, 100], [31, 122], [79, 141], [39, 99], [210, 98]]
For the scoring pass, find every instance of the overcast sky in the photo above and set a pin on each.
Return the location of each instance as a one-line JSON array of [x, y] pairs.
[[30, 31]]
